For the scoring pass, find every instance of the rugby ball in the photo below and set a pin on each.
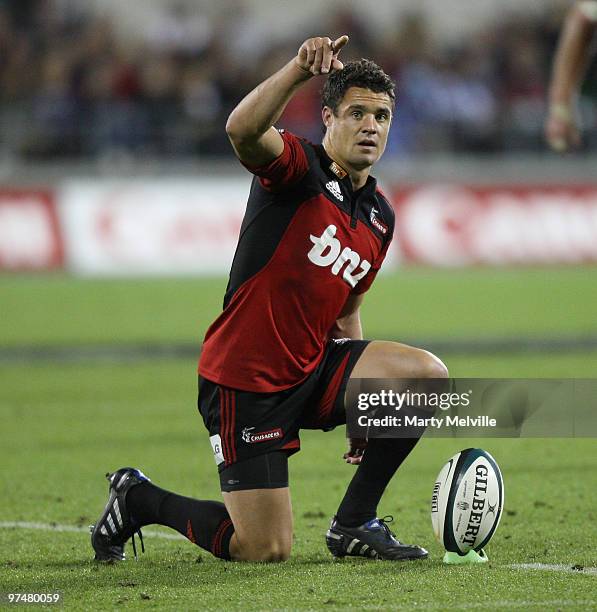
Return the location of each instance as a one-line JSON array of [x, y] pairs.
[[467, 501]]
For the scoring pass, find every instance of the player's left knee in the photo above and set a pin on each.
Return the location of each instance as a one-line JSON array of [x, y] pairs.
[[430, 366], [271, 549], [269, 552]]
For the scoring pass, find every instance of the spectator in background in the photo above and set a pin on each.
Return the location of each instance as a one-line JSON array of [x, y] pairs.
[[55, 110], [22, 13], [178, 29], [202, 105], [72, 84], [522, 85], [561, 128]]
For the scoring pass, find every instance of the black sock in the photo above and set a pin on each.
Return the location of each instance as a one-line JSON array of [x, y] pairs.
[[205, 523], [382, 458]]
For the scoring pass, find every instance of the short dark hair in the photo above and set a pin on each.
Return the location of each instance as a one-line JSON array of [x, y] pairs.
[[363, 73]]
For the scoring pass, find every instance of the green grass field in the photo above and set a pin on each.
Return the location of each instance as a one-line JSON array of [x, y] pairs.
[[65, 424]]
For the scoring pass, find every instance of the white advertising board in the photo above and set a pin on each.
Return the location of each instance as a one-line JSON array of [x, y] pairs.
[[152, 227]]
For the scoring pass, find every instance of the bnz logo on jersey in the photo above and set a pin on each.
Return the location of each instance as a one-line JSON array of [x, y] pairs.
[[327, 251]]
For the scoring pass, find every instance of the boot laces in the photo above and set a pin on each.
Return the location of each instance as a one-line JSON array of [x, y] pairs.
[[384, 522], [140, 534], [135, 531]]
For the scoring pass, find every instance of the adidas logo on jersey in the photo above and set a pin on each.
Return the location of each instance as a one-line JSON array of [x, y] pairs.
[[327, 251], [334, 188]]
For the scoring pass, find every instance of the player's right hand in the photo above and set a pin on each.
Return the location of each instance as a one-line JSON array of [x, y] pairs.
[[561, 131], [319, 55], [356, 450]]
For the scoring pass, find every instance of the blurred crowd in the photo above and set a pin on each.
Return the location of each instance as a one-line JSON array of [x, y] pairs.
[[73, 86]]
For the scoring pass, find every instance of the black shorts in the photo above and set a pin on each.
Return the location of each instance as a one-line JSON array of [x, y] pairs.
[[243, 425]]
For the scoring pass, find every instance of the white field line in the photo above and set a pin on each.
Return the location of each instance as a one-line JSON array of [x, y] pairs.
[[592, 571], [555, 567], [72, 528], [515, 604]]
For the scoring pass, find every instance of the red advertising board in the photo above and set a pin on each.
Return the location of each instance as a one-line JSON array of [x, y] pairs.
[[455, 225], [30, 237]]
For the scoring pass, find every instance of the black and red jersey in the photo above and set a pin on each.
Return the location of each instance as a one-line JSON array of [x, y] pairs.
[[306, 242]]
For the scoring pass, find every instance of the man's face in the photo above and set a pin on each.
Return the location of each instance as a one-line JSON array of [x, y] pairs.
[[358, 132]]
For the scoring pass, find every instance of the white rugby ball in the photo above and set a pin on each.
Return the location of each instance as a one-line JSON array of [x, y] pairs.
[[467, 501]]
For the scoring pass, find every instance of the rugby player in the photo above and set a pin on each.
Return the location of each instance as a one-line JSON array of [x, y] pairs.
[[561, 127], [278, 358]]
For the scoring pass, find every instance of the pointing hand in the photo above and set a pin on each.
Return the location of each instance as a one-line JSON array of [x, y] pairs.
[[320, 55]]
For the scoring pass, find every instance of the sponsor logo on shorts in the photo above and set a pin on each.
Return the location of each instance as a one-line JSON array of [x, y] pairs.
[[340, 340], [251, 437], [216, 445]]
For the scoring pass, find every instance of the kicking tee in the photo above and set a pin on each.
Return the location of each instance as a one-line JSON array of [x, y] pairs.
[[307, 241]]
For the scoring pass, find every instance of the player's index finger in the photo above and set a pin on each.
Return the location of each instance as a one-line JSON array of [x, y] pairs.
[[339, 43]]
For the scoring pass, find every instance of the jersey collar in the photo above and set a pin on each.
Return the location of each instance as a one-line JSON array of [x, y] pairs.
[[334, 168]]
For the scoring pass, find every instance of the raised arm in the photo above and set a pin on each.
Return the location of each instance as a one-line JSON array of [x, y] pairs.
[[561, 129], [250, 125]]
